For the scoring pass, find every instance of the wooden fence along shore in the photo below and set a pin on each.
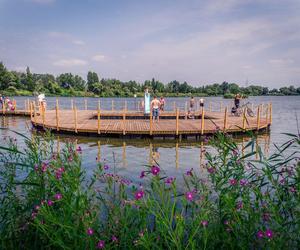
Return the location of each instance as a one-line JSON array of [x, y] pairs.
[[135, 123]]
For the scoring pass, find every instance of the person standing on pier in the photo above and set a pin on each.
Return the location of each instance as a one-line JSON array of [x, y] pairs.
[[146, 102], [191, 111], [162, 103], [237, 100], [155, 105]]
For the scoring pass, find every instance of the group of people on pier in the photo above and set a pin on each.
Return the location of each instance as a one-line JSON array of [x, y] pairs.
[[158, 105], [6, 103]]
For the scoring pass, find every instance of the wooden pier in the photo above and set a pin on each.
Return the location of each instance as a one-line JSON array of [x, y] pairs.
[[135, 123]]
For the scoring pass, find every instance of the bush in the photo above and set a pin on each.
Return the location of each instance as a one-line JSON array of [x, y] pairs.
[[47, 203]]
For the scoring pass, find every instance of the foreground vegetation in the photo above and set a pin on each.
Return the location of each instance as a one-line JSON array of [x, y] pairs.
[[14, 83], [48, 203]]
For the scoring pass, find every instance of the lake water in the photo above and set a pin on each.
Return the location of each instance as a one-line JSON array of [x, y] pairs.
[[174, 156]]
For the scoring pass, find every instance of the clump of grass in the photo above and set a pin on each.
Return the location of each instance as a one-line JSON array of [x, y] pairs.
[[47, 202]]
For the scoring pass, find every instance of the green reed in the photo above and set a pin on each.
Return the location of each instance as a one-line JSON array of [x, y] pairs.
[[47, 202]]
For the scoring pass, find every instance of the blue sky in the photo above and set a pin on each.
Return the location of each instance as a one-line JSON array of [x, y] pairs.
[[200, 42]]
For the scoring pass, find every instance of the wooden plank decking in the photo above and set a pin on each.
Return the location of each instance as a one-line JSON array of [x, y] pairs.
[[87, 122]]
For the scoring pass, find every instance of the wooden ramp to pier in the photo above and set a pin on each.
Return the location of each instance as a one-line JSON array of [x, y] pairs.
[[136, 123]]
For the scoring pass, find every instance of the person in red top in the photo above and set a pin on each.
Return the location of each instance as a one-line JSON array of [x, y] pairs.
[[162, 103]]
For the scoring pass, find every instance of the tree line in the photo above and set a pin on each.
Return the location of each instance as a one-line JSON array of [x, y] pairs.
[[67, 84]]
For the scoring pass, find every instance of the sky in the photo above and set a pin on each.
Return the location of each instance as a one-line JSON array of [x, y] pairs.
[[198, 41]]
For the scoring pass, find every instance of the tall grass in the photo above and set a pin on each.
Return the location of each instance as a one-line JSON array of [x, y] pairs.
[[48, 203]]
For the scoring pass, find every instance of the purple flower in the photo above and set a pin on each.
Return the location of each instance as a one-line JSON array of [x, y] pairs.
[[269, 233], [50, 203], [235, 152], [292, 189], [106, 167], [204, 223], [170, 180], [36, 167], [190, 172], [44, 167], [139, 195], [37, 207], [90, 231], [189, 196], [243, 182], [114, 238], [58, 196], [260, 234], [266, 216], [211, 170], [239, 205], [101, 244], [79, 150], [142, 174], [232, 182], [155, 170]]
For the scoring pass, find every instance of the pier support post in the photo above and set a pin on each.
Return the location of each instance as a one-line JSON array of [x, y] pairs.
[[202, 121], [75, 119], [225, 120], [267, 115], [244, 119], [124, 122], [258, 118], [177, 121], [151, 123], [85, 104], [112, 105], [57, 115], [98, 117]]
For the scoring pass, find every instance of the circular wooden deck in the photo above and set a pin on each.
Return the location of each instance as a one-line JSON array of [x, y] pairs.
[[132, 123]]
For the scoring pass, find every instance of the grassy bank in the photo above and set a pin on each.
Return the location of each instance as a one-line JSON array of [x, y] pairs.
[[48, 203]]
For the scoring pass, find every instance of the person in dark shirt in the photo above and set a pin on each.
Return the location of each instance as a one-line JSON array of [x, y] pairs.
[[237, 100]]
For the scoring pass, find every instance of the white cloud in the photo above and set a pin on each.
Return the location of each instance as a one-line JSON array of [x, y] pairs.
[[278, 61], [78, 42], [42, 1], [70, 62], [98, 58]]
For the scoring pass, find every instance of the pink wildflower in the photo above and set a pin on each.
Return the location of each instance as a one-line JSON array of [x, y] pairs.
[[189, 196], [101, 244], [155, 170], [90, 231]]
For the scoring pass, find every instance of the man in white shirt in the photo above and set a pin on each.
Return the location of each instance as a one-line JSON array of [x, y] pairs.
[[155, 105]]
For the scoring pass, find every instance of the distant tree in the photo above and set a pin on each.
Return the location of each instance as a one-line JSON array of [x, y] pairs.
[[224, 87], [29, 80], [92, 78], [265, 91]]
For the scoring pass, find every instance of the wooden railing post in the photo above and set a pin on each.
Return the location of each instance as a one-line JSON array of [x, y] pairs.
[[98, 118], [43, 115], [3, 107], [202, 121], [125, 105], [244, 119], [177, 121], [225, 120], [267, 114], [31, 114], [34, 113], [85, 104], [258, 118], [57, 115], [174, 106], [124, 122], [210, 106], [151, 123], [72, 104], [270, 113], [221, 106], [75, 119], [112, 105]]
